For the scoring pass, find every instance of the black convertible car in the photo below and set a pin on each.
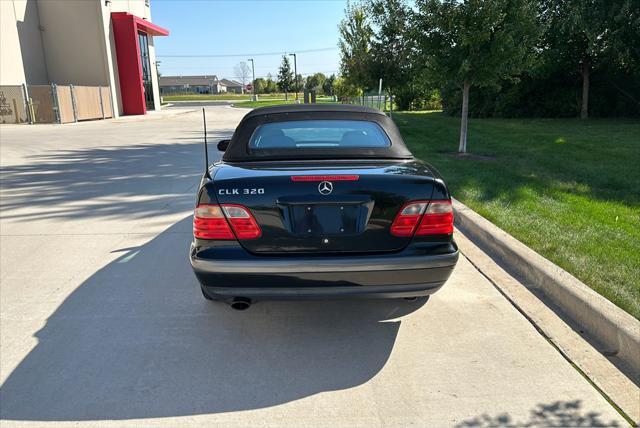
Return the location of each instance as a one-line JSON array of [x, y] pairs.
[[322, 201]]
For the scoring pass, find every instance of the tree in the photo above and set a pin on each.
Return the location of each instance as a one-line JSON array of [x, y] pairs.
[[553, 85], [477, 43], [260, 86], [285, 76], [355, 43], [586, 32], [392, 46], [327, 87], [271, 86], [299, 83], [243, 73], [344, 89], [315, 82]]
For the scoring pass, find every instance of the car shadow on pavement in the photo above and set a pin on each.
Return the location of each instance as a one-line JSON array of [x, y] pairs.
[[137, 340]]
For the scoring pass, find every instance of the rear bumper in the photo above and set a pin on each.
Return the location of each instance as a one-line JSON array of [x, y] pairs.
[[412, 273]]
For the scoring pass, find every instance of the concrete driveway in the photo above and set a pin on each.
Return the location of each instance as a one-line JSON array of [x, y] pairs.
[[102, 321]]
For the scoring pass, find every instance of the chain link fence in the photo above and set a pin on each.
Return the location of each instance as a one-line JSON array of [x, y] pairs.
[[13, 104], [54, 103], [382, 101]]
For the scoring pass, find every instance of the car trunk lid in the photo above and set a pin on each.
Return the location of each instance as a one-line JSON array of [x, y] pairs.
[[324, 209]]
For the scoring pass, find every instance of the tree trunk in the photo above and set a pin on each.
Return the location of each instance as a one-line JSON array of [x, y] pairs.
[[586, 70], [286, 98], [465, 116]]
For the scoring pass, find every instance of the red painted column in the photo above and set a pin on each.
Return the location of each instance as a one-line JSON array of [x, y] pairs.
[[125, 32]]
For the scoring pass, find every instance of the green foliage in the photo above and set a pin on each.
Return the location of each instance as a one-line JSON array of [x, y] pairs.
[[418, 98], [286, 79], [260, 85], [521, 57], [416, 95], [475, 43], [271, 85], [482, 42], [315, 82], [327, 87], [355, 43], [556, 94], [604, 34], [344, 90], [377, 43], [265, 86], [299, 83], [392, 45], [591, 30]]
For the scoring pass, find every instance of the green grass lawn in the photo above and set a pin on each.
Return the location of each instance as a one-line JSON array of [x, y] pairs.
[[568, 189], [263, 102], [214, 97]]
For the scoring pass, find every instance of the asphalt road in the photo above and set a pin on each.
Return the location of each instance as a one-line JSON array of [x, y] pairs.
[[102, 321]]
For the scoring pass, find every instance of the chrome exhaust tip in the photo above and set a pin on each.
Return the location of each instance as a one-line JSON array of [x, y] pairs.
[[240, 303]]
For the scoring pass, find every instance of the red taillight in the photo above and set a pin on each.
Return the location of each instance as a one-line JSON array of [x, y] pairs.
[[437, 219], [408, 218], [242, 222], [210, 222], [429, 218]]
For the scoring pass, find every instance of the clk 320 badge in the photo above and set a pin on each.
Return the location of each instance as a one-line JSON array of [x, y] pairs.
[[253, 191]]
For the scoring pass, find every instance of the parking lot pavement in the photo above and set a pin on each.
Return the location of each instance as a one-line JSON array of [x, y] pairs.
[[102, 321]]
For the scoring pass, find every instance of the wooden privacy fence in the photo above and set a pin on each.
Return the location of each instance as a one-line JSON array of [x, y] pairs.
[[63, 104], [41, 104]]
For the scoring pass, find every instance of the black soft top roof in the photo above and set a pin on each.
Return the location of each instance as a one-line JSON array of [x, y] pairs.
[[295, 108], [238, 150]]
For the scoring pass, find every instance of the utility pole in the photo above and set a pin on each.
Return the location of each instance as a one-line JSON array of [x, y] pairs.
[[295, 72], [253, 82]]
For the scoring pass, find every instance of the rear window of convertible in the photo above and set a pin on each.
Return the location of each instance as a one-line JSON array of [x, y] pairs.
[[318, 134]]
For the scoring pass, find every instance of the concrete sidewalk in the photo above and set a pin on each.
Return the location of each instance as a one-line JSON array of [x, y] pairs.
[[102, 322]]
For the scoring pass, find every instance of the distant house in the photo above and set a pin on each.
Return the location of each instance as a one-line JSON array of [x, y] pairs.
[[232, 86], [190, 85]]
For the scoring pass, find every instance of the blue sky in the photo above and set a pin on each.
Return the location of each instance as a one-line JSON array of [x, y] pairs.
[[247, 27]]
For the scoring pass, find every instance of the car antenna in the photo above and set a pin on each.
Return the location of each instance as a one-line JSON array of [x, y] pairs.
[[206, 151]]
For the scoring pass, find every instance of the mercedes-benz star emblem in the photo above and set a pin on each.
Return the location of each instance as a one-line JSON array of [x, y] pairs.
[[325, 187]]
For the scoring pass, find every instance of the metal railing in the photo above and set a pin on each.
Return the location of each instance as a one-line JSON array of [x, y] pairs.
[[382, 102]]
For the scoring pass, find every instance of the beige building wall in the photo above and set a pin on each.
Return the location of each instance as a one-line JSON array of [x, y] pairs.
[[111, 65], [21, 53], [73, 42], [139, 8]]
